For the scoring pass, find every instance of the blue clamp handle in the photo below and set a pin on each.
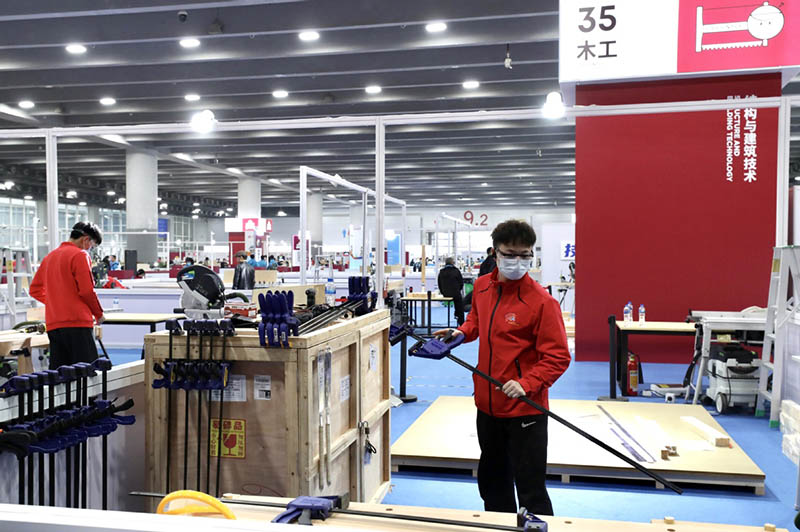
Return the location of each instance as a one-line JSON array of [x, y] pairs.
[[314, 507], [436, 349]]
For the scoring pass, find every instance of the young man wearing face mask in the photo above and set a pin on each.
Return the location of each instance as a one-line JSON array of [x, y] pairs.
[[523, 344], [64, 283]]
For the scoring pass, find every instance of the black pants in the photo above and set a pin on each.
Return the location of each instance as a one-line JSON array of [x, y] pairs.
[[70, 345], [458, 306], [513, 451]]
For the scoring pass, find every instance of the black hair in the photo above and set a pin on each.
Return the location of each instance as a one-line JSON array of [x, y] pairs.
[[87, 229], [489, 251], [514, 232], [272, 257], [190, 260]]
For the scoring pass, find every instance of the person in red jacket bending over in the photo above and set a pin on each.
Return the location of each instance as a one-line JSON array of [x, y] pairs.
[[65, 285], [523, 344]]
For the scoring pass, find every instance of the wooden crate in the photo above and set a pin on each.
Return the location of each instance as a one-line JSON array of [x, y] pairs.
[[280, 455]]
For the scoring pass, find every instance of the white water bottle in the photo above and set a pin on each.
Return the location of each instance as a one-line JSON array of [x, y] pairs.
[[641, 314], [330, 292], [627, 312]]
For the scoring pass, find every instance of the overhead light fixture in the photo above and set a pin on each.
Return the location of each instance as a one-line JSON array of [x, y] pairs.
[[8, 184], [121, 200], [183, 156], [276, 181], [195, 211], [26, 104], [373, 89], [75, 48], [435, 27], [229, 209], [352, 202], [484, 184], [553, 106], [163, 206], [82, 203], [27, 197], [71, 194], [332, 196], [111, 193], [163, 213], [107, 101], [281, 213], [280, 93], [189, 42], [191, 97], [308, 35], [471, 84], [159, 198], [195, 204], [234, 170], [204, 121], [195, 217]]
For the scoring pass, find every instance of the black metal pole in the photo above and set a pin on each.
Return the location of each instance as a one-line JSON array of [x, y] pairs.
[[403, 370], [41, 455], [208, 416], [612, 356], [169, 412], [51, 404], [221, 405], [68, 468], [430, 315], [85, 448], [186, 407], [20, 458], [543, 410], [30, 455], [104, 392], [199, 430], [76, 465]]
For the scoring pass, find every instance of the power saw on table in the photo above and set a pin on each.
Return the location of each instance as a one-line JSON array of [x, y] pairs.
[[203, 293]]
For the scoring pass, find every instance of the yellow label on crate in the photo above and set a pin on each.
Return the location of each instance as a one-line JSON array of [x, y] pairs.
[[233, 438]]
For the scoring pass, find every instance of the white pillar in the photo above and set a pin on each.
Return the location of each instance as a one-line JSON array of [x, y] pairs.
[[51, 165], [314, 221], [380, 203], [141, 204], [249, 198]]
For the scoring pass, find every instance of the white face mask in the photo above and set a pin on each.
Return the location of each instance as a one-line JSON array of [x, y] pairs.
[[515, 268]]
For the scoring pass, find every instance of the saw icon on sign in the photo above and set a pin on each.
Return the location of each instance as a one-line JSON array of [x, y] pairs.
[[765, 22]]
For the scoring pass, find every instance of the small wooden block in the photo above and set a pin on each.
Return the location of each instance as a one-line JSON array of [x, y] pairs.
[[717, 438], [665, 454], [669, 520], [769, 527]]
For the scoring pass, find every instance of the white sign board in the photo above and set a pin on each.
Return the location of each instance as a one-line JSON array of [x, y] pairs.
[[567, 250]]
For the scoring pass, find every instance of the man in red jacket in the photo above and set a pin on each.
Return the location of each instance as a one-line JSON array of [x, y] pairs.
[[65, 285], [523, 344]]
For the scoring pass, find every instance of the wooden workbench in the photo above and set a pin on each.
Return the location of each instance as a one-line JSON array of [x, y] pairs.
[[444, 436], [554, 524]]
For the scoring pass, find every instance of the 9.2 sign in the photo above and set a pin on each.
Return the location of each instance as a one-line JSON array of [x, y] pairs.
[[469, 216]]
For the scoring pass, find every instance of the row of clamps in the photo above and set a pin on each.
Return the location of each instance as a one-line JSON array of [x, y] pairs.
[[277, 318], [20, 384], [358, 290], [184, 374]]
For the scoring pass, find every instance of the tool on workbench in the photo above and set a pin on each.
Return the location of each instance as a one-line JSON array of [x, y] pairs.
[[203, 293], [438, 349], [340, 505]]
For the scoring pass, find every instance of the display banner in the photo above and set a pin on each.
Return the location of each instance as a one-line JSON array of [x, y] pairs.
[[629, 39]]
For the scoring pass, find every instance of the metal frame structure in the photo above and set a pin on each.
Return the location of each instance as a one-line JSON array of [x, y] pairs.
[[380, 123]]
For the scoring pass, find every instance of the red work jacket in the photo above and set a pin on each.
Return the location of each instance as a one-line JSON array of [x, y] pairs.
[[65, 285], [522, 338]]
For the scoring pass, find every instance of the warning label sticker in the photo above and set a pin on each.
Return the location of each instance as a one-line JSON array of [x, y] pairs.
[[262, 387], [235, 391], [233, 438]]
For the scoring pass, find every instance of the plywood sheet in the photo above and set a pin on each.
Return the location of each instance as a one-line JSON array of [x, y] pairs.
[[446, 433]]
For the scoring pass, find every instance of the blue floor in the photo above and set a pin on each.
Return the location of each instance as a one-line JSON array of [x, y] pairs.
[[429, 379]]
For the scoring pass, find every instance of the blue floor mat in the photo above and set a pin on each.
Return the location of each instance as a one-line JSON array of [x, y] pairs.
[[428, 379]]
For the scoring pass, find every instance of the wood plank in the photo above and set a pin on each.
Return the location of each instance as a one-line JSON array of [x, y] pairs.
[[555, 524], [120, 318], [658, 326], [446, 431]]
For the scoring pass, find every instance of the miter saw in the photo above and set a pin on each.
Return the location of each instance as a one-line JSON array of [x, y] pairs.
[[203, 293]]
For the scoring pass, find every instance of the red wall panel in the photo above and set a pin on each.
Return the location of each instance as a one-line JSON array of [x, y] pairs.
[[657, 221]]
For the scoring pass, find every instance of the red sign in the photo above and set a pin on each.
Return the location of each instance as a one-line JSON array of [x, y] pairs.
[[268, 225], [249, 224], [719, 35]]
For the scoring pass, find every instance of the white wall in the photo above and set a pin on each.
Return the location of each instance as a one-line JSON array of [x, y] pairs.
[[552, 265]]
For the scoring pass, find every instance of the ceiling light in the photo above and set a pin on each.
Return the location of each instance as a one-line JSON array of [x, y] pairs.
[[373, 89], [163, 206], [229, 209], [159, 198], [111, 193], [183, 156], [203, 122], [332, 196], [435, 27], [353, 202], [8, 184], [280, 93], [191, 97], [195, 217], [189, 42], [27, 197], [234, 170], [75, 48], [121, 200], [471, 84], [553, 106], [276, 181], [82, 203], [281, 213], [484, 184], [308, 36], [26, 104], [195, 204], [163, 213], [71, 194], [195, 211], [107, 101]]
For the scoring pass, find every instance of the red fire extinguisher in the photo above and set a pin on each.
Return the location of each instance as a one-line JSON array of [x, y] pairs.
[[633, 375]]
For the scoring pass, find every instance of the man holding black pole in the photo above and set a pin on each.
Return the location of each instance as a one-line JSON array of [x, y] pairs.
[[523, 344], [65, 285]]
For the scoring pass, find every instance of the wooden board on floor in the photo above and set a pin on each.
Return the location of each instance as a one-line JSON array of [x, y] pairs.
[[445, 436], [554, 524]]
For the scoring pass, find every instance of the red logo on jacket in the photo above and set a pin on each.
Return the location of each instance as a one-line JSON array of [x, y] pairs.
[[511, 318]]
